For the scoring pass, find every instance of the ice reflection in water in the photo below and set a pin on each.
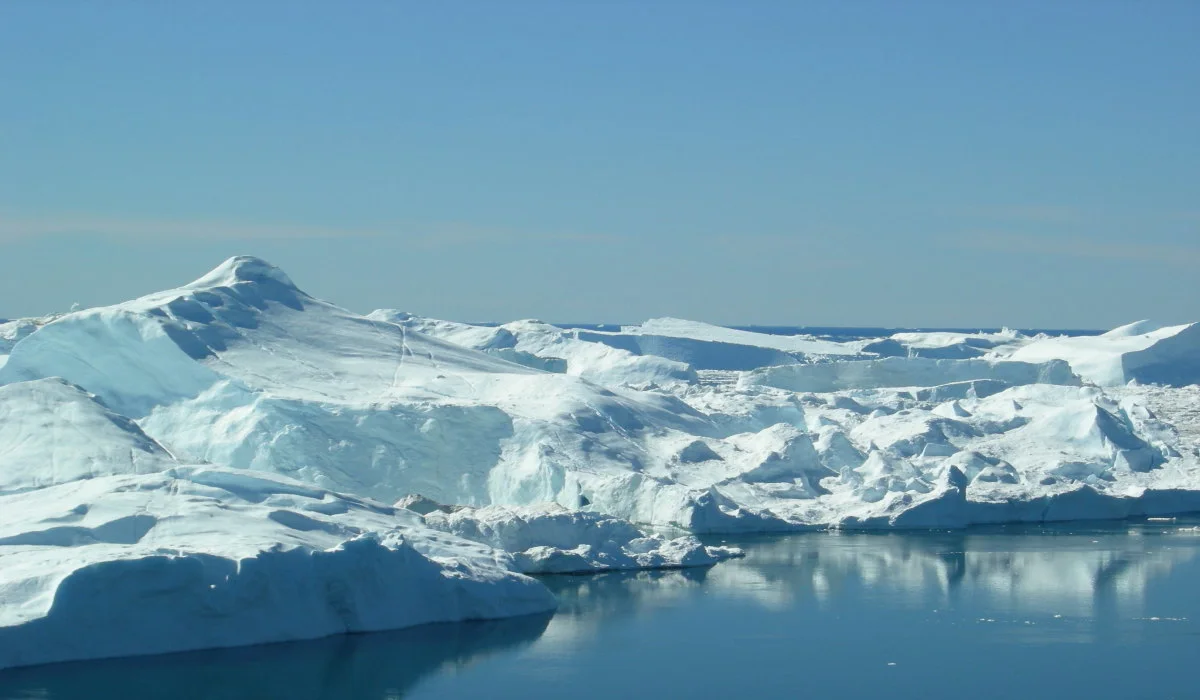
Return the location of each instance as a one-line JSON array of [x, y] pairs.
[[1092, 578], [1050, 571], [379, 666], [1088, 577]]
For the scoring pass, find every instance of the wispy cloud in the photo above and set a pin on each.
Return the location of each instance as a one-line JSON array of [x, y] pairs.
[[1067, 216], [1027, 213], [1076, 247], [1192, 217], [826, 249], [1043, 214], [777, 241], [14, 228], [436, 235], [457, 235]]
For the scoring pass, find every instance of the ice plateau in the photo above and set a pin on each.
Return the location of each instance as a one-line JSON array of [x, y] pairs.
[[235, 461]]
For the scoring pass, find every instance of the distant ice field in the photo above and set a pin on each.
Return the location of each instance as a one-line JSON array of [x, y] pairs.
[[845, 333]]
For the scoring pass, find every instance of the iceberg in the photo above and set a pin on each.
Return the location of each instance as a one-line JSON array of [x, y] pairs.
[[1139, 352], [205, 557], [247, 456]]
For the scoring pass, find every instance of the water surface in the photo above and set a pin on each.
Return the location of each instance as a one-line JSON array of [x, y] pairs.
[[1109, 611]]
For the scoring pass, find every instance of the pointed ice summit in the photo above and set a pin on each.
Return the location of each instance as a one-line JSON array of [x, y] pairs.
[[243, 269], [244, 280], [241, 368]]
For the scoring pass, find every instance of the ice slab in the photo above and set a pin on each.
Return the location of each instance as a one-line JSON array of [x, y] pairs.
[[202, 557], [1140, 352]]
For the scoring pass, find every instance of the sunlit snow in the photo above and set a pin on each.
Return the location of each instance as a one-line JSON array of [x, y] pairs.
[[240, 460]]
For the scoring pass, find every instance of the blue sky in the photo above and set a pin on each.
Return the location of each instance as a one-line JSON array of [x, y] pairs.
[[823, 163]]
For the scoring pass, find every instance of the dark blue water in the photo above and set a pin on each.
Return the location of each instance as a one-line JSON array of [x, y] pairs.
[[1100, 612]]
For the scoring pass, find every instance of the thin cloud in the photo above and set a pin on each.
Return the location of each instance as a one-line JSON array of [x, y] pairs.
[[1028, 213], [421, 235], [826, 249], [1043, 214], [1062, 215], [1187, 216], [1076, 247], [151, 229], [458, 235]]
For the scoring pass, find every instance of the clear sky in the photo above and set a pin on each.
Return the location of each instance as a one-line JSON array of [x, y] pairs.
[[792, 162]]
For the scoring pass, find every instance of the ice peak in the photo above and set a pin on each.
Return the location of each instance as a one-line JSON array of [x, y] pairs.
[[1136, 328], [241, 269]]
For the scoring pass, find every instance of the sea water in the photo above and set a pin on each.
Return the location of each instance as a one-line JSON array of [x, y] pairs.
[[1079, 610]]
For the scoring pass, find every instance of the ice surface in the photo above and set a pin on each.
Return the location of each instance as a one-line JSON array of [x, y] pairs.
[[202, 557], [680, 328], [1139, 352], [243, 369], [548, 538], [906, 371], [552, 349], [707, 347], [237, 419], [52, 432], [12, 331]]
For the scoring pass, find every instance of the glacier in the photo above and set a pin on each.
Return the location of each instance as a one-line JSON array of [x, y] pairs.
[[264, 465]]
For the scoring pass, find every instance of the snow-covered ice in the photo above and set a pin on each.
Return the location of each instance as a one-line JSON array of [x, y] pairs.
[[203, 557], [1142, 352], [238, 427], [548, 538], [552, 349]]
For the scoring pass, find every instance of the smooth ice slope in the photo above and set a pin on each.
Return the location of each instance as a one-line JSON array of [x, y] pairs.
[[52, 432], [1138, 352], [707, 347], [552, 349], [792, 344]]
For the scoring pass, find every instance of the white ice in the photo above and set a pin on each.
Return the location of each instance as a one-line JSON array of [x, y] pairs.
[[237, 419], [203, 557], [548, 538]]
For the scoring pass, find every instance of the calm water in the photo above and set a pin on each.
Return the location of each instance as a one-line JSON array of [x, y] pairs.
[[1078, 611]]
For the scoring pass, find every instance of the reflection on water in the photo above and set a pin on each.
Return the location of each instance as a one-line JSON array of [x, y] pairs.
[[1034, 612], [1076, 572], [1087, 573], [382, 665]]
